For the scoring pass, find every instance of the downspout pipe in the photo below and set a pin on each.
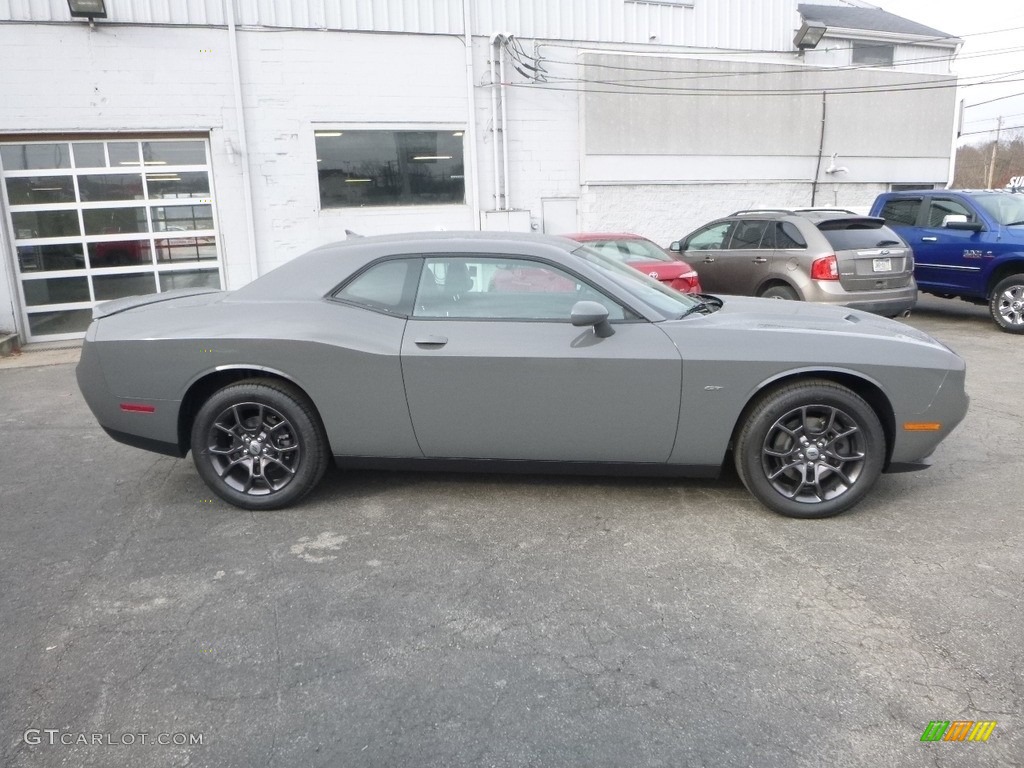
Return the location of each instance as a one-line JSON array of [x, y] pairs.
[[243, 144], [472, 189], [504, 129], [496, 131], [821, 151]]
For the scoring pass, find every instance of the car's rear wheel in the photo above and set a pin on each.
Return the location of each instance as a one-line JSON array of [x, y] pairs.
[[779, 292], [1007, 304], [810, 449], [259, 444]]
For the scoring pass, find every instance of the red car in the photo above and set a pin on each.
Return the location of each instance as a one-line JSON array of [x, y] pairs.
[[644, 256]]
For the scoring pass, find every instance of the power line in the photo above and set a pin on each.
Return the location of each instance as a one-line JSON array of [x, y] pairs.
[[573, 86], [992, 130]]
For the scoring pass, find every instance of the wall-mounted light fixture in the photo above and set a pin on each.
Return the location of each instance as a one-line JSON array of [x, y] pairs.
[[809, 35], [88, 9]]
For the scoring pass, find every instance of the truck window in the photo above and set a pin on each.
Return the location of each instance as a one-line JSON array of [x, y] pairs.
[[940, 208], [901, 212]]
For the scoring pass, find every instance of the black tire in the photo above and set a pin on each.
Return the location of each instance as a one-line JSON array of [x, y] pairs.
[[259, 444], [779, 292], [807, 426], [1006, 304]]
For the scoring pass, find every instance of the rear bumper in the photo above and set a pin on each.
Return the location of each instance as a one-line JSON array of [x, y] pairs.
[[890, 303]]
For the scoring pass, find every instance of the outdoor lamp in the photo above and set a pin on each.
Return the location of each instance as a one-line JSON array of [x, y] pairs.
[[809, 35], [88, 9]]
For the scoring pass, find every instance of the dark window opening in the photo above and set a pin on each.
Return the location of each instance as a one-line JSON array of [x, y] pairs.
[[375, 168]]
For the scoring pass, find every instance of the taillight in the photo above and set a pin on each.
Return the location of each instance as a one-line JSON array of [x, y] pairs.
[[825, 268]]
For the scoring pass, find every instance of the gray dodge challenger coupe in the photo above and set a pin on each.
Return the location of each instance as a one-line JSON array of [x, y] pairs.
[[499, 351]]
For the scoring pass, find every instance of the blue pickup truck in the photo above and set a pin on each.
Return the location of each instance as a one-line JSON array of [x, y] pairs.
[[967, 244]]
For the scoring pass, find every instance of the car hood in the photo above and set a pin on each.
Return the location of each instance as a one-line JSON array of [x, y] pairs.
[[774, 315]]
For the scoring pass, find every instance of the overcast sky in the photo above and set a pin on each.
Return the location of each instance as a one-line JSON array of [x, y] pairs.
[[979, 56]]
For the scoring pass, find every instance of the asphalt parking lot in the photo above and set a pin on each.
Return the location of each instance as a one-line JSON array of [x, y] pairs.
[[400, 619]]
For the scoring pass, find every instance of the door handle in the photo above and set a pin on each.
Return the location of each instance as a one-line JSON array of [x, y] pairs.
[[431, 341], [709, 259], [929, 239], [760, 260]]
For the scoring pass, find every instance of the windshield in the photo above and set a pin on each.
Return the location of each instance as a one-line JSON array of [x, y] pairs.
[[1007, 209], [630, 251], [667, 301]]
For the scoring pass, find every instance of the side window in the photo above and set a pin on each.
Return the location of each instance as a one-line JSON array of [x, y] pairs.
[[901, 212], [788, 237], [709, 238], [747, 234], [486, 288], [384, 287], [941, 208]]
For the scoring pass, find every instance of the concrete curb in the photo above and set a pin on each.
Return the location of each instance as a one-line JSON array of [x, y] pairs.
[[35, 358]]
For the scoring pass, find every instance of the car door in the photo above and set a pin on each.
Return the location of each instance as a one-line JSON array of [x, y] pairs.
[[704, 250], [944, 257], [494, 369], [744, 263]]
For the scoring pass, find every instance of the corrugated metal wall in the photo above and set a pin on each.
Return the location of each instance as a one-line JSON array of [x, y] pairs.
[[748, 24]]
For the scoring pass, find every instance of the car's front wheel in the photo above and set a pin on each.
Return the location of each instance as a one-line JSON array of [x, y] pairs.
[[810, 449], [259, 444], [1007, 304]]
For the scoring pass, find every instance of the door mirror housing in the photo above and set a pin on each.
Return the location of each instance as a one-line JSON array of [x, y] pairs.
[[959, 221], [586, 313], [676, 246]]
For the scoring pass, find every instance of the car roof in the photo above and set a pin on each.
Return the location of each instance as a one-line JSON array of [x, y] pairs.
[[312, 274], [792, 211]]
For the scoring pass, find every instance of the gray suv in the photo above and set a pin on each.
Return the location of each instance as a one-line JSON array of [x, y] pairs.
[[826, 255]]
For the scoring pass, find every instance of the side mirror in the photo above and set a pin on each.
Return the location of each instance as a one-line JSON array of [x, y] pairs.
[[959, 221], [676, 246], [586, 313]]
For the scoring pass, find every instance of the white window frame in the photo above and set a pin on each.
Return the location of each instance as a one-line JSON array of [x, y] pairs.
[[155, 269]]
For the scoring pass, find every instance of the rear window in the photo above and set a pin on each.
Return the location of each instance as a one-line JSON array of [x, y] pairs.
[[858, 234]]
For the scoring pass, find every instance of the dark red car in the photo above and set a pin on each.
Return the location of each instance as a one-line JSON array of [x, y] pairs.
[[644, 256]]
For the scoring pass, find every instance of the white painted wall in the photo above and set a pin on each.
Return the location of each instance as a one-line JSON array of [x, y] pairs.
[[666, 212]]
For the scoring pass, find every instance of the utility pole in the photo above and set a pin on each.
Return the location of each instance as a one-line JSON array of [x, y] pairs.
[[992, 159]]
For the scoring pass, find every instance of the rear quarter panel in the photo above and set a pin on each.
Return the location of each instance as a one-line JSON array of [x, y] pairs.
[[346, 360]]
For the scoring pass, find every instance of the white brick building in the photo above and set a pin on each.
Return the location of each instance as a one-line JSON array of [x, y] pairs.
[[207, 141]]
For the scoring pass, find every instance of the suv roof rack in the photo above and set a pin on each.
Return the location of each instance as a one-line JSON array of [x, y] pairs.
[[793, 211]]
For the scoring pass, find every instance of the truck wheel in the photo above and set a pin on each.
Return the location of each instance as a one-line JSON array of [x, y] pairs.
[[1007, 304]]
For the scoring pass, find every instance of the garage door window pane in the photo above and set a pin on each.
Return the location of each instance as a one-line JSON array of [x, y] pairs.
[[182, 217], [108, 187], [37, 190], [180, 249], [174, 152], [115, 221], [191, 279], [119, 253], [89, 154], [65, 321], [56, 290], [183, 184], [44, 258], [29, 224], [123, 153], [374, 168], [118, 286], [28, 157]]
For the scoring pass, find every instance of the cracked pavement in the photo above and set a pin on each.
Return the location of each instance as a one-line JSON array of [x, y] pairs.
[[470, 620]]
